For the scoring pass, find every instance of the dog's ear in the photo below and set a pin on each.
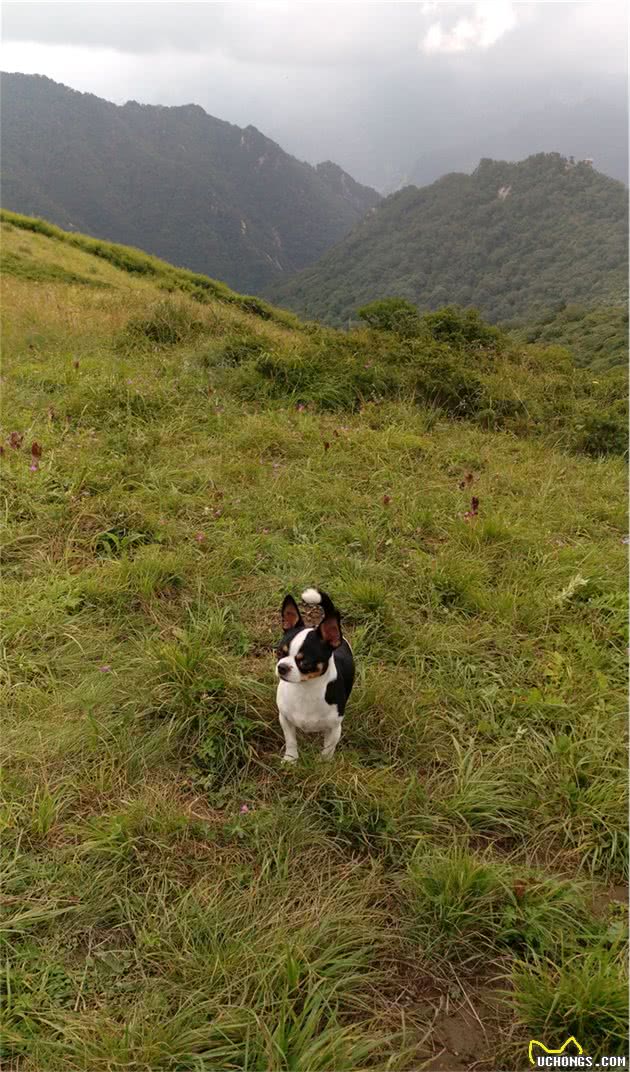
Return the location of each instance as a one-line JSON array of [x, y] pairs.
[[291, 616], [329, 629]]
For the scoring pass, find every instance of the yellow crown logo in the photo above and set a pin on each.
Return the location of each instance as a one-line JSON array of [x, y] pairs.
[[545, 1049]]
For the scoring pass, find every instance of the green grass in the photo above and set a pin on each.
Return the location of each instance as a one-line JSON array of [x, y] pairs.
[[597, 338], [24, 268], [175, 899]]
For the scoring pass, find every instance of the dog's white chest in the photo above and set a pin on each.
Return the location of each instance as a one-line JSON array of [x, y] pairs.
[[304, 705]]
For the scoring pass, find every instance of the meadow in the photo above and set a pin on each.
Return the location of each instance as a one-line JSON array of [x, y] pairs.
[[453, 884]]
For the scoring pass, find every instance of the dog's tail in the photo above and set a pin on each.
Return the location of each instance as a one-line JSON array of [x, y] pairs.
[[314, 597]]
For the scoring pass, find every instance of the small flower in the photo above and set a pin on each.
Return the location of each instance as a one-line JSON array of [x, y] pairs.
[[34, 467], [473, 513], [300, 407], [200, 537], [244, 809], [105, 669]]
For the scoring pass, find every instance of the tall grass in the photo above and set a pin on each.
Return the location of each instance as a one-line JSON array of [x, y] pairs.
[[174, 898]]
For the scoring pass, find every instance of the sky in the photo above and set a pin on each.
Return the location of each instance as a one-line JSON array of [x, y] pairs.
[[373, 86]]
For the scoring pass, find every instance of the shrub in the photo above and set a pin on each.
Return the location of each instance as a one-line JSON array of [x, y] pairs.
[[601, 434], [235, 349], [392, 314], [462, 328], [441, 379], [168, 324]]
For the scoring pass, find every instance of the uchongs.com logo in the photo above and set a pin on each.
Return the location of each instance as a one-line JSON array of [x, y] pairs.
[[542, 1056], [570, 1055]]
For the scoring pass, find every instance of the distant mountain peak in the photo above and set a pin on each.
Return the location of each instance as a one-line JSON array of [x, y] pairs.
[[511, 239], [175, 181]]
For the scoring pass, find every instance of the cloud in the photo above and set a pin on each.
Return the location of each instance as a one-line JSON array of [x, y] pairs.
[[371, 85], [488, 22], [314, 33]]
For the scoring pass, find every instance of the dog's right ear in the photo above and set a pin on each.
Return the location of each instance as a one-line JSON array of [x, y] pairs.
[[291, 617]]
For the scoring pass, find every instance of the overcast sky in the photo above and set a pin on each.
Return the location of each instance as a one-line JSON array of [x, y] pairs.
[[370, 85]]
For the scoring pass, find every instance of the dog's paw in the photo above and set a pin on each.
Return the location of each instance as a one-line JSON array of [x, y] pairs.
[[289, 759]]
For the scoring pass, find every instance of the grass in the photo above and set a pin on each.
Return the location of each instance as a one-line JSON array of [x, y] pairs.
[[173, 898]]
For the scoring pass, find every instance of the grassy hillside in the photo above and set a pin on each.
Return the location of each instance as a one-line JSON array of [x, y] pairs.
[[175, 181], [510, 239], [447, 888], [597, 338]]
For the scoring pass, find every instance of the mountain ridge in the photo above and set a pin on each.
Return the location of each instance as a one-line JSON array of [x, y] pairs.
[[175, 181], [510, 239], [581, 130]]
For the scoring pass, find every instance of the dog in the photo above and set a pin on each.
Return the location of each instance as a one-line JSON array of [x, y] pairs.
[[315, 668]]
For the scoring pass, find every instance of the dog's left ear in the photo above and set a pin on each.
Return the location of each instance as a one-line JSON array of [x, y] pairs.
[[329, 630], [291, 616]]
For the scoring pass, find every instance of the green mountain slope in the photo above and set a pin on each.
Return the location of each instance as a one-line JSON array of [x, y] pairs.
[[175, 181], [597, 338], [509, 239], [175, 458]]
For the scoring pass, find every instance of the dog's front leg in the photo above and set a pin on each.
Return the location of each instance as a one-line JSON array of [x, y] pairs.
[[331, 740], [290, 741]]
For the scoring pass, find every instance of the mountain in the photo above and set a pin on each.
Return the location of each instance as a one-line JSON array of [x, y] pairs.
[[176, 182], [596, 338], [509, 239], [595, 128]]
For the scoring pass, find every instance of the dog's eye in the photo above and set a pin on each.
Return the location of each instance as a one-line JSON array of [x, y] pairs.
[[282, 650]]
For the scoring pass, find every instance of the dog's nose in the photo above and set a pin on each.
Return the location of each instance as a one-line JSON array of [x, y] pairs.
[[283, 669]]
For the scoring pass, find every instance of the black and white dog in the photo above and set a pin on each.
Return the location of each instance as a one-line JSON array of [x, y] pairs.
[[316, 671]]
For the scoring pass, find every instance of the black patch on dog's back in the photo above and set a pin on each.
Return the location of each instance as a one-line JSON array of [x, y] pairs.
[[338, 691]]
